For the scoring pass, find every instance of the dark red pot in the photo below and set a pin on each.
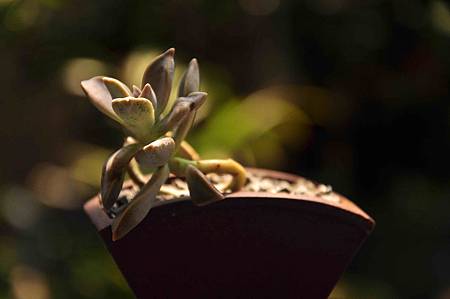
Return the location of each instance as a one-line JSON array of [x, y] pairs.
[[250, 245]]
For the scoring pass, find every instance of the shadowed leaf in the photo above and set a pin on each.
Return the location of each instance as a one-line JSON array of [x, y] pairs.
[[196, 99], [148, 93], [159, 74], [140, 205], [183, 129], [137, 115], [136, 91], [179, 112], [113, 174], [156, 153], [97, 91], [190, 81], [201, 190]]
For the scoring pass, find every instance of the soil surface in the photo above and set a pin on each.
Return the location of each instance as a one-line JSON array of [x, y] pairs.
[[176, 188]]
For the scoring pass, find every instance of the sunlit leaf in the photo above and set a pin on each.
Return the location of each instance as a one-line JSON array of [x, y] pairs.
[[156, 153], [123, 90], [137, 115]]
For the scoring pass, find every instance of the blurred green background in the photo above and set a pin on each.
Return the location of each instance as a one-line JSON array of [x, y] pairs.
[[349, 93]]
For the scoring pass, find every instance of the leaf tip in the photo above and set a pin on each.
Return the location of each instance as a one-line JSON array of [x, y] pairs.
[[170, 52]]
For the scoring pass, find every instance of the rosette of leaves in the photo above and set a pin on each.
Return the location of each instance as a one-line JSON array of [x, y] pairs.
[[154, 141]]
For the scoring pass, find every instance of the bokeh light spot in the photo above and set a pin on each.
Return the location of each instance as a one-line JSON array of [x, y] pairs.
[[28, 283], [18, 208], [440, 16], [78, 69]]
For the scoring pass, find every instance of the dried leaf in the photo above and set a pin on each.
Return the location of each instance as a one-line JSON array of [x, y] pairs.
[[159, 74], [137, 115], [113, 174], [140, 205], [201, 190], [190, 81], [156, 153], [95, 88]]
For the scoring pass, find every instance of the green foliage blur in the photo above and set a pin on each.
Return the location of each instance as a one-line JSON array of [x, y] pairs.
[[349, 93]]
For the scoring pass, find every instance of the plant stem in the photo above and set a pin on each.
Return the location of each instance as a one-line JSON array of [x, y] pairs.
[[187, 151], [135, 173], [228, 166]]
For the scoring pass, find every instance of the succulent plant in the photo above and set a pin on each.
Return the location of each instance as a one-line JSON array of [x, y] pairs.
[[154, 141]]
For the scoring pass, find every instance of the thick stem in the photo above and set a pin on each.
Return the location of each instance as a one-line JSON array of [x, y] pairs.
[[229, 166]]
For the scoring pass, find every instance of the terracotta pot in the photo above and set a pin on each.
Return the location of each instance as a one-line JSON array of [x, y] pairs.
[[250, 245]]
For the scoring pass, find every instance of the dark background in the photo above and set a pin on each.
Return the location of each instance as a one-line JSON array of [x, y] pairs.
[[349, 93]]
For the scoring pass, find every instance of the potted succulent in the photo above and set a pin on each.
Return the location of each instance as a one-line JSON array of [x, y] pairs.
[[186, 227]]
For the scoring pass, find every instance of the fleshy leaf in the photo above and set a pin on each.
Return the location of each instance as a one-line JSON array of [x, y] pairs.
[[95, 88], [137, 115], [179, 112], [118, 85], [183, 129], [159, 74], [113, 174], [196, 99], [190, 81], [156, 153], [148, 93], [136, 91], [139, 207], [201, 190]]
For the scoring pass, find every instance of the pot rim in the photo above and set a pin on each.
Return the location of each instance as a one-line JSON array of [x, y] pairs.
[[343, 208]]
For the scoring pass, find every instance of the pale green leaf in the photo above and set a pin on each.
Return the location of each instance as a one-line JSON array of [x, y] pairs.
[[137, 115], [156, 153]]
